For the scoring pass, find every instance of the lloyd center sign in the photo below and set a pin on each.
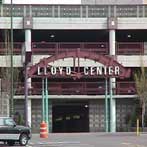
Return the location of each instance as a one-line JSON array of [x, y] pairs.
[[108, 66], [87, 71]]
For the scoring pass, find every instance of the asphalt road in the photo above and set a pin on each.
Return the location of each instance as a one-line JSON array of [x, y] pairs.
[[88, 140]]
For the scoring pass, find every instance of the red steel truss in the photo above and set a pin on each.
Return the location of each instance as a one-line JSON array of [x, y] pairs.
[[104, 60], [44, 48], [78, 88]]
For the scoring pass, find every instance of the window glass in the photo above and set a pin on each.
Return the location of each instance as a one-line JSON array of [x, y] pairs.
[[1, 122], [9, 122]]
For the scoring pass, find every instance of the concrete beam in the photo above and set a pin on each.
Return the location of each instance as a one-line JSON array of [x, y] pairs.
[[74, 23]]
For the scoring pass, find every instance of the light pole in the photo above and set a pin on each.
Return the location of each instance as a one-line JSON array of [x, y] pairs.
[[26, 92], [45, 111], [106, 107], [46, 102], [11, 66]]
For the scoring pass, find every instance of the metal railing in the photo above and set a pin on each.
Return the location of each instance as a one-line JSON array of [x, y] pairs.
[[58, 48], [125, 88], [130, 48], [5, 48], [77, 88], [75, 11], [46, 48]]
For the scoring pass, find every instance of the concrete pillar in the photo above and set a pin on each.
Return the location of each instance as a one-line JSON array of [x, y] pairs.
[[30, 111], [28, 40], [28, 48], [28, 80], [112, 51], [112, 106], [112, 48]]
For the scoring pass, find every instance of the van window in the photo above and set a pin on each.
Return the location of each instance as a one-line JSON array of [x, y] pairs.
[[1, 122], [9, 122]]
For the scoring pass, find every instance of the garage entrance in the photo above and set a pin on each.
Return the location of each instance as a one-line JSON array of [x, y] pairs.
[[71, 117]]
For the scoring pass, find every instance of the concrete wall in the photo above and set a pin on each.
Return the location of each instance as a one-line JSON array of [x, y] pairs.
[[124, 107], [96, 116], [145, 1], [75, 23], [37, 115], [42, 1], [101, 2]]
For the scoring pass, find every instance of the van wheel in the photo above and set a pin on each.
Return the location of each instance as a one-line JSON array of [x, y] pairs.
[[10, 143], [23, 140]]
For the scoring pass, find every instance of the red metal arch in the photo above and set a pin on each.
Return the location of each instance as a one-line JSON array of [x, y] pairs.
[[105, 60]]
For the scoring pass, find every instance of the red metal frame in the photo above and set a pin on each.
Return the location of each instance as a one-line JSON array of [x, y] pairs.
[[130, 48], [58, 48], [17, 48], [105, 60], [78, 88], [54, 48], [126, 87]]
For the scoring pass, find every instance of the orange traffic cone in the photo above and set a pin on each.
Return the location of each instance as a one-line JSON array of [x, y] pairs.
[[43, 130]]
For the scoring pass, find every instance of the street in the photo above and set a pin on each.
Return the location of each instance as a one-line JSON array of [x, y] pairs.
[[88, 140]]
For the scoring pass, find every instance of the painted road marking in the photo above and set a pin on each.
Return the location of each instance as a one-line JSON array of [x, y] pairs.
[[62, 145], [143, 134], [132, 145], [59, 143]]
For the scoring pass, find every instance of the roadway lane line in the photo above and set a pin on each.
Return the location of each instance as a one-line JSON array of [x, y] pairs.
[[59, 142], [131, 144]]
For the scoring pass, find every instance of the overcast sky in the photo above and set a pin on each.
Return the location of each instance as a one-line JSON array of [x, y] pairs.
[[44, 1]]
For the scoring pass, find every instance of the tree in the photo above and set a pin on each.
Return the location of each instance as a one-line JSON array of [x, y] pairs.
[[141, 88], [5, 76]]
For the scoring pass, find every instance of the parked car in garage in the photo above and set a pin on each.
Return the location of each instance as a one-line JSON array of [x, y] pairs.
[[11, 133]]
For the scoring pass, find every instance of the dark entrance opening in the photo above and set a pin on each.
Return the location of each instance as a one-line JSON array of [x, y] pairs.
[[71, 117]]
